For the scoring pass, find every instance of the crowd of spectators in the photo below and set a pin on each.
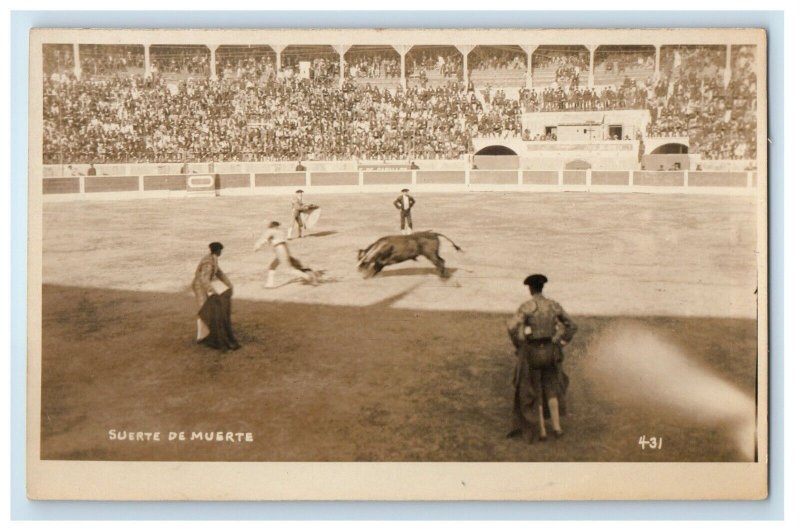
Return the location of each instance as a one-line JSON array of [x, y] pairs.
[[623, 61], [446, 62], [499, 116], [57, 59], [628, 95], [567, 65], [250, 114], [110, 60], [323, 67], [488, 58], [118, 120], [189, 61], [693, 101], [251, 64], [384, 64], [702, 62]]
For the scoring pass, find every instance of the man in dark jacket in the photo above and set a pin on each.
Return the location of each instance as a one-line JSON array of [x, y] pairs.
[[404, 203]]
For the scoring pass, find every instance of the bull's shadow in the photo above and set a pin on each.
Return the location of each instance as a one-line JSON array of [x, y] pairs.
[[416, 272]]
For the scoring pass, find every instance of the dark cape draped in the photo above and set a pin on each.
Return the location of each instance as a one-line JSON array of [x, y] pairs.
[[216, 314], [533, 382]]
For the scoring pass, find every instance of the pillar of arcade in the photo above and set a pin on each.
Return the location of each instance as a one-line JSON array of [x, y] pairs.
[[147, 68], [402, 49], [76, 52], [465, 49], [592, 48], [278, 51], [341, 49], [529, 49], [727, 75], [657, 73], [213, 60]]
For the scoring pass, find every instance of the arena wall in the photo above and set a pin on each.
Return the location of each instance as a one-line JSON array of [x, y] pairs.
[[64, 185], [542, 156], [540, 177], [280, 179], [658, 178], [494, 177], [610, 178], [440, 177], [716, 178], [387, 177], [339, 178], [170, 168], [126, 183], [164, 182], [233, 180], [132, 186]]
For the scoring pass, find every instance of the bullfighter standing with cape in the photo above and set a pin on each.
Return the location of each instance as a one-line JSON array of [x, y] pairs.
[[214, 308], [539, 330]]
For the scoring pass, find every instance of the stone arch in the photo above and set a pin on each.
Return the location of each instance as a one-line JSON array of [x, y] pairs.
[[672, 148], [578, 164], [496, 150]]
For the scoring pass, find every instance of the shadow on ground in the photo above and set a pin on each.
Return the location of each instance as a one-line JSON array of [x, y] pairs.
[[320, 234], [342, 383], [416, 271]]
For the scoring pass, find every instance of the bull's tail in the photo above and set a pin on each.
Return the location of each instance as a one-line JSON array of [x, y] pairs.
[[448, 239]]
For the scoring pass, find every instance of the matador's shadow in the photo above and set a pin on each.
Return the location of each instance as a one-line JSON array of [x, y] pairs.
[[320, 234]]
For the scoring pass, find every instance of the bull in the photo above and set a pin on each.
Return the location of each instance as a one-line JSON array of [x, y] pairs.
[[395, 249]]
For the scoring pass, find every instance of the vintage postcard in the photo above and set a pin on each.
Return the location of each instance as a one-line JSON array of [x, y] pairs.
[[397, 264]]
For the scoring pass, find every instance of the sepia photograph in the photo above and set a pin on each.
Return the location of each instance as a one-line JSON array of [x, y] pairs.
[[368, 264]]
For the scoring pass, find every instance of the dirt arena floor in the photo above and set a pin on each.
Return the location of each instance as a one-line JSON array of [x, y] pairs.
[[404, 366]]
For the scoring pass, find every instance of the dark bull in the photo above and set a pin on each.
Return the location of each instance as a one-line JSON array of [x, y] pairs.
[[395, 249]]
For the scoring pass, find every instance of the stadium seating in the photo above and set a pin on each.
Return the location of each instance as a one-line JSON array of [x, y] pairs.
[[252, 112]]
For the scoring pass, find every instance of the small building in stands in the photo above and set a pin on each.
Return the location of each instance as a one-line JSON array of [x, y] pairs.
[[587, 125], [601, 140]]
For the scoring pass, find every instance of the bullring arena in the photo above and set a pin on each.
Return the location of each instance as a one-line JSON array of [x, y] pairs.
[[654, 258]]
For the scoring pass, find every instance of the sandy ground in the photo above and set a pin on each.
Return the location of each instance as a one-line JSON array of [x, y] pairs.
[[604, 254], [404, 366]]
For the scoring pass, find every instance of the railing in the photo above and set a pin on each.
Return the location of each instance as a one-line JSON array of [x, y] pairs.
[[127, 186]]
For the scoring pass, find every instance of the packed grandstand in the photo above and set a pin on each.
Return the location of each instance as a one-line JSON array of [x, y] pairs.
[[246, 103]]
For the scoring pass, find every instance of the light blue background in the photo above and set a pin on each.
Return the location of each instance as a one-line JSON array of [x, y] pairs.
[[23, 509]]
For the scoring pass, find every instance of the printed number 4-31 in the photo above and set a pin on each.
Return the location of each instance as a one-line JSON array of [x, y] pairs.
[[653, 443]]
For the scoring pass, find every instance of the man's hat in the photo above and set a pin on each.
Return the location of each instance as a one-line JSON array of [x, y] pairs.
[[535, 280], [215, 247], [298, 191], [404, 190]]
